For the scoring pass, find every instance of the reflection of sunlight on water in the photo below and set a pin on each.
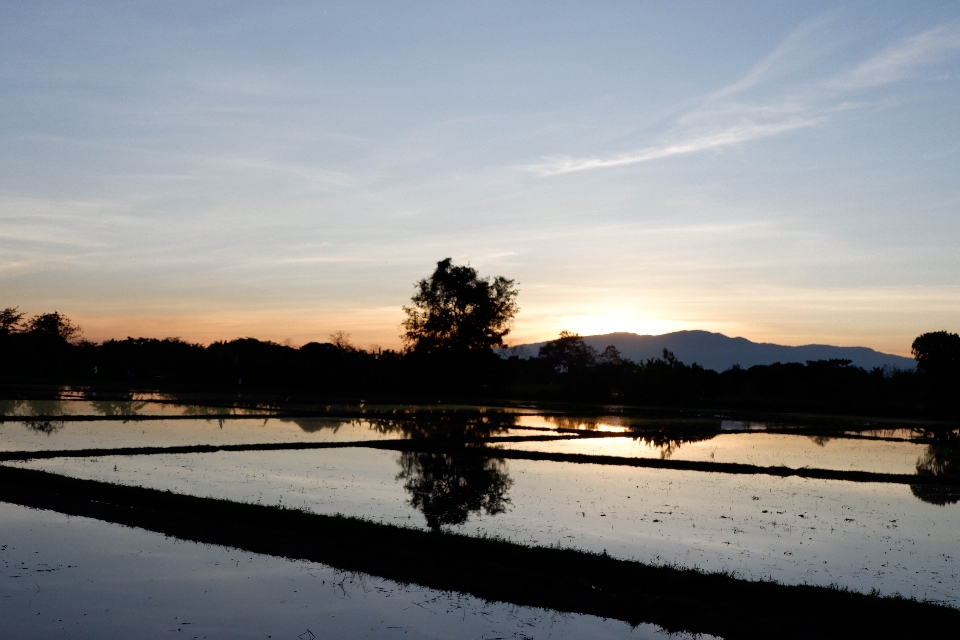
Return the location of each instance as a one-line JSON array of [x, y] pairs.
[[24, 435], [759, 448], [606, 423]]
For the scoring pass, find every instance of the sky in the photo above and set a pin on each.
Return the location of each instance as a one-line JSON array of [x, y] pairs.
[[785, 172]]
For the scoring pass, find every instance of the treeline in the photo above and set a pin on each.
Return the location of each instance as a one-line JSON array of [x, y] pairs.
[[819, 386], [48, 349]]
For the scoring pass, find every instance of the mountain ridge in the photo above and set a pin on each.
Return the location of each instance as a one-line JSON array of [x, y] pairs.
[[720, 352]]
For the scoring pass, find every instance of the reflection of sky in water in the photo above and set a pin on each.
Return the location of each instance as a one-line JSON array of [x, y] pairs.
[[563, 422], [763, 449], [161, 404], [80, 578], [113, 408], [18, 436], [860, 535], [67, 435]]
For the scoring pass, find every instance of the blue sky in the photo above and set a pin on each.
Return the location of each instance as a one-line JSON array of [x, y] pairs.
[[286, 170]]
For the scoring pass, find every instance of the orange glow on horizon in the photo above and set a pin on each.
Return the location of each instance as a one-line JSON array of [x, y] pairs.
[[381, 328]]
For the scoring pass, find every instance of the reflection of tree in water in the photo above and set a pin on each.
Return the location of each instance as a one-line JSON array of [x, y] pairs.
[[577, 424], [117, 407], [821, 441], [670, 437], [9, 407], [313, 425], [48, 427], [29, 408], [445, 426], [447, 488], [668, 442], [941, 460], [35, 408], [665, 437]]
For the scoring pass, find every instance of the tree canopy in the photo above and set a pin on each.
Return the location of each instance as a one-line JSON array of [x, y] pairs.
[[568, 353], [455, 310], [10, 320], [937, 353], [53, 325]]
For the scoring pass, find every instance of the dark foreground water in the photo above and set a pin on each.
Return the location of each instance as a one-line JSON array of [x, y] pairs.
[[63, 577]]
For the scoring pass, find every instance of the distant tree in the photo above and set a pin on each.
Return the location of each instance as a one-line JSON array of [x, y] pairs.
[[937, 353], [341, 340], [611, 356], [9, 320], [667, 359], [53, 325], [568, 353], [455, 310]]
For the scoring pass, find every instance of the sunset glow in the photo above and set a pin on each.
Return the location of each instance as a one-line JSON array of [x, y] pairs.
[[215, 173]]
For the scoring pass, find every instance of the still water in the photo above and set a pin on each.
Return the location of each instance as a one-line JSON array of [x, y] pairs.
[[794, 530], [149, 407], [761, 449], [90, 578], [33, 436], [80, 578]]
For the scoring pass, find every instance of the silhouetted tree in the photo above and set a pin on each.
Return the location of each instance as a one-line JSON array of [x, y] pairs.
[[568, 354], [9, 320], [611, 356], [54, 326], [938, 363], [667, 380], [341, 340], [937, 353], [455, 310]]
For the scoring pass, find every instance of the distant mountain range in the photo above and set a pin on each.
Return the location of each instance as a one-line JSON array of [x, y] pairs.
[[719, 352]]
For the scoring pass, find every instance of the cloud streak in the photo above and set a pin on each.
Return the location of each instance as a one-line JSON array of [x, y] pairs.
[[795, 107], [715, 140], [899, 61]]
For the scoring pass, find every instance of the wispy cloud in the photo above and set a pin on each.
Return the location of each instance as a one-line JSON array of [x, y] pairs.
[[902, 59], [714, 140], [724, 118], [794, 48]]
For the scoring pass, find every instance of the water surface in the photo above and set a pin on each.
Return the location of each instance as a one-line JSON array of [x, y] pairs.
[[795, 530], [761, 449], [80, 578]]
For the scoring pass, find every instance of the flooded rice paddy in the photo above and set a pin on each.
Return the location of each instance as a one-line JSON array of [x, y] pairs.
[[66, 435], [81, 578], [794, 530], [761, 449], [480, 478]]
